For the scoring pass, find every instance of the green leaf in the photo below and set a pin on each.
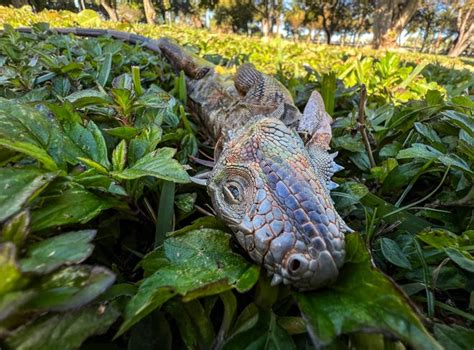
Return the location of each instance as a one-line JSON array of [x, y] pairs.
[[361, 194], [88, 97], [159, 164], [261, 331], [100, 147], [11, 302], [328, 91], [94, 165], [454, 337], [89, 141], [463, 259], [9, 271], [164, 218], [16, 229], [392, 252], [441, 239], [65, 249], [65, 112], [104, 71], [362, 298], [412, 75], [71, 287], [31, 150], [58, 210], [144, 143], [137, 86], [124, 132], [20, 186], [88, 18], [430, 134], [25, 129], [193, 265], [63, 331], [119, 156], [461, 120]]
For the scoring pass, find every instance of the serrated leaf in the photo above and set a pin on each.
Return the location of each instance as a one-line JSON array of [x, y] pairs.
[[19, 186], [65, 249], [57, 210], [159, 164], [193, 265], [25, 129], [89, 142], [143, 143], [362, 298], [88, 97], [31, 150], [63, 331], [70, 287]]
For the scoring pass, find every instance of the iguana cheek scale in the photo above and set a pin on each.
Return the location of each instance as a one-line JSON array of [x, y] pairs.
[[270, 187]]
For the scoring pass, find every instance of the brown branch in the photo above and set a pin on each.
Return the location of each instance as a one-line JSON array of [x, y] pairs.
[[361, 124]]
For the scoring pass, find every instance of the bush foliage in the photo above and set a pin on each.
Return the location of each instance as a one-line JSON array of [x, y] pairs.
[[104, 237]]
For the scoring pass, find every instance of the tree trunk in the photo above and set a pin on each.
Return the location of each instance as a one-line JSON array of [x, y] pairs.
[[111, 12], [150, 13], [388, 23], [465, 32], [19, 3], [438, 41], [426, 35], [328, 35], [266, 22]]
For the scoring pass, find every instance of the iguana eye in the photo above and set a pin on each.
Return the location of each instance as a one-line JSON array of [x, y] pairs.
[[232, 192]]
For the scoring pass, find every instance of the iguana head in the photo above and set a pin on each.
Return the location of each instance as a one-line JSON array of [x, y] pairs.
[[272, 192]]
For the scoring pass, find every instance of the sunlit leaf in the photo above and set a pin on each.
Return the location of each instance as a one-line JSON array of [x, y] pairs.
[[363, 298], [194, 264], [158, 164]]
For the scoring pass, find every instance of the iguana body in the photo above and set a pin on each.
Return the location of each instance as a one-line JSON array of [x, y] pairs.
[[270, 187]]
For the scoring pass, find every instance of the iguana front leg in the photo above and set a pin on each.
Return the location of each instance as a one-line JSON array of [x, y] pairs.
[[267, 185]]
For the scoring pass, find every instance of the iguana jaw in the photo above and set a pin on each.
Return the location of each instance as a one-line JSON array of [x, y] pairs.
[[265, 187]]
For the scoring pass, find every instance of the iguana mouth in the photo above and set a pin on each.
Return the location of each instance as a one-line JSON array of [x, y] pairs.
[[266, 188], [267, 185]]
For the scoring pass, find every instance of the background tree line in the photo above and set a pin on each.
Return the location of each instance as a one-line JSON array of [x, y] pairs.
[[433, 26]]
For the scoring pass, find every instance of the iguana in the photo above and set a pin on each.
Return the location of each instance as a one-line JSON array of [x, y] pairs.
[[272, 173]]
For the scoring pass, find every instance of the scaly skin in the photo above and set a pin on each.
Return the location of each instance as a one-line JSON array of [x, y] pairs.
[[269, 186]]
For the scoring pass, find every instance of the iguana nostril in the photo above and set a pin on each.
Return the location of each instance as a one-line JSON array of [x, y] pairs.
[[295, 265]]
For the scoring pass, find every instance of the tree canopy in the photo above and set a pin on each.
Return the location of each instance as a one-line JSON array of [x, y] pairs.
[[445, 27]]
